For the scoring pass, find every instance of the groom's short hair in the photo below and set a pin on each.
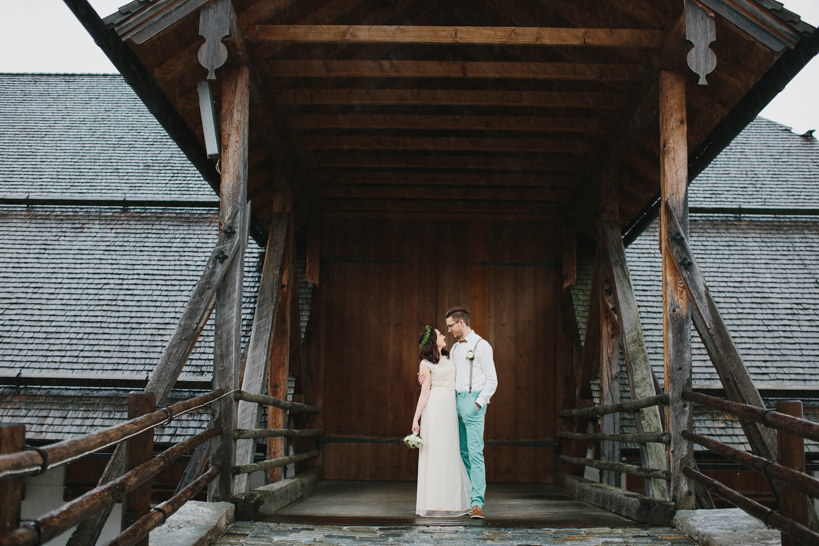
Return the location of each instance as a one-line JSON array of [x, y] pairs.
[[459, 313]]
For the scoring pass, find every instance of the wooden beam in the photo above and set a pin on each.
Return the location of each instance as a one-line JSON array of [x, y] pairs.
[[463, 35], [260, 344], [436, 206], [626, 503], [12, 440], [793, 503], [314, 255], [609, 382], [307, 68], [641, 377], [439, 123], [577, 147], [676, 314], [454, 180], [379, 97], [543, 162], [228, 324], [543, 194], [137, 503], [279, 361]]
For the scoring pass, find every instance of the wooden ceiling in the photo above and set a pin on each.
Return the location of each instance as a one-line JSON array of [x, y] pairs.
[[501, 107]]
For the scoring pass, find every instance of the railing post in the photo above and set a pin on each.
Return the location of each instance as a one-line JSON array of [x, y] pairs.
[[140, 449], [12, 440], [793, 504]]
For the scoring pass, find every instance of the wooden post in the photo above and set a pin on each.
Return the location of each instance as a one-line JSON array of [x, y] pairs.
[[279, 359], [278, 364], [12, 440], [137, 503], [676, 314], [228, 324], [793, 504], [261, 335]]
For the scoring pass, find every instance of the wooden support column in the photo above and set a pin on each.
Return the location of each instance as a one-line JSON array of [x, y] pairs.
[[278, 364], [137, 503], [228, 325], [12, 440], [676, 314], [609, 336], [793, 504], [261, 337]]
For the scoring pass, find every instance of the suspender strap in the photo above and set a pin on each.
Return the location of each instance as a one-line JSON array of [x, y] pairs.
[[472, 363]]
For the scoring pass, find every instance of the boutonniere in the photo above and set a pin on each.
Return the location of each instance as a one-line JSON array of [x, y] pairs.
[[470, 355]]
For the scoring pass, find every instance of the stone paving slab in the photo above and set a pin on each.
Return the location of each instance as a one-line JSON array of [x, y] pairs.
[[725, 527], [265, 534]]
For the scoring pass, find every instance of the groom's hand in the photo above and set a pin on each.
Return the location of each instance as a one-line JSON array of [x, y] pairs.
[[421, 378]]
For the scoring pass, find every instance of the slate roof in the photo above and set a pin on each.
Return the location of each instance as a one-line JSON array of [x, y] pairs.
[[87, 136], [98, 290], [766, 165]]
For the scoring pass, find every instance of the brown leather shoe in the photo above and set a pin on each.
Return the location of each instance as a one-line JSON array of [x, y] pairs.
[[477, 513]]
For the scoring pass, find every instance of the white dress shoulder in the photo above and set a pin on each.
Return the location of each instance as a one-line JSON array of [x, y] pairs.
[[443, 484]]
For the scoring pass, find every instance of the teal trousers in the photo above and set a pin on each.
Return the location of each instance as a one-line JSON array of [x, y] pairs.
[[470, 425]]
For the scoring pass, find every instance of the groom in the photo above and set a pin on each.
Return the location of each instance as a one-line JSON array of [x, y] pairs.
[[475, 383]]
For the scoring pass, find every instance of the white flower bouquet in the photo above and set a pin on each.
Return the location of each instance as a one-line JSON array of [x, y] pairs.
[[414, 441]]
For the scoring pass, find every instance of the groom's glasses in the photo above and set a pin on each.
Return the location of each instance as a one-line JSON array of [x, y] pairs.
[[450, 326]]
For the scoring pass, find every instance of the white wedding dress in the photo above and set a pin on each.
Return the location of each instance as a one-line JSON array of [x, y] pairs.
[[443, 484]]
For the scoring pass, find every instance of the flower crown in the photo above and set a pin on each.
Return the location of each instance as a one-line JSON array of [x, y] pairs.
[[427, 333]]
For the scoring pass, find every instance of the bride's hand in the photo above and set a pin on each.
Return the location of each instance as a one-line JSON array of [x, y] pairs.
[[415, 428]]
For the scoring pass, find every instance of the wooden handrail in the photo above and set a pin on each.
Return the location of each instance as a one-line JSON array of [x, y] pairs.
[[619, 467], [40, 460], [628, 406], [58, 521], [161, 513], [772, 469], [768, 516], [639, 438], [245, 434], [273, 463], [275, 402], [773, 419]]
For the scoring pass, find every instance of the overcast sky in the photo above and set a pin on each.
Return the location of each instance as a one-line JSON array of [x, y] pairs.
[[61, 45]]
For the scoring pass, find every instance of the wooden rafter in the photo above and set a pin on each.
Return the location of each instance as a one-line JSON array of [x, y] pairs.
[[461, 123], [453, 180], [580, 147], [466, 35], [468, 97], [452, 69], [470, 163], [545, 194]]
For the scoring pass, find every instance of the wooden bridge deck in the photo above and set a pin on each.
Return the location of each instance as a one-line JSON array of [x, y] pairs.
[[393, 503]]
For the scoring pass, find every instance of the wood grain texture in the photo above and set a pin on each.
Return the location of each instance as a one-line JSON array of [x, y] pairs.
[[676, 314], [260, 344], [12, 440], [386, 279], [398, 34], [641, 376], [793, 503], [137, 503], [228, 323], [307, 68]]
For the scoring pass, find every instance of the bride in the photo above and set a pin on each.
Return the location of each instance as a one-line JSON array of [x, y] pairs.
[[443, 484]]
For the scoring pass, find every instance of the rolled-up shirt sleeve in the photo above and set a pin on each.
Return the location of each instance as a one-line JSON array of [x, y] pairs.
[[487, 360]]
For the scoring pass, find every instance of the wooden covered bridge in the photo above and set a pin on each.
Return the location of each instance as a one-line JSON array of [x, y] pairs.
[[429, 154]]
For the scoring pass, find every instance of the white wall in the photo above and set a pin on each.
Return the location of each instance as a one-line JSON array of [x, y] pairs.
[[44, 493]]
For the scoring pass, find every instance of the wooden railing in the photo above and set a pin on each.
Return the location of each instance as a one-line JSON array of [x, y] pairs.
[[614, 497], [788, 468], [38, 460], [274, 433]]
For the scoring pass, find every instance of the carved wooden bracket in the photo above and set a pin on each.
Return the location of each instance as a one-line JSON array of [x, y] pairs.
[[700, 30], [214, 24]]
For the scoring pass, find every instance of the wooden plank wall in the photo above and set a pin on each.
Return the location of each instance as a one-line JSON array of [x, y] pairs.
[[387, 278]]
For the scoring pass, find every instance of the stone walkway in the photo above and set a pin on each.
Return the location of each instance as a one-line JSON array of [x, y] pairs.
[[263, 534]]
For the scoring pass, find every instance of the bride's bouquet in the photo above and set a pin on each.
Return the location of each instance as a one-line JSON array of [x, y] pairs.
[[414, 441]]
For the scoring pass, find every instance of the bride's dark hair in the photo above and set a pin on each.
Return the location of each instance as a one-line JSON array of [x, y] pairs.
[[429, 351]]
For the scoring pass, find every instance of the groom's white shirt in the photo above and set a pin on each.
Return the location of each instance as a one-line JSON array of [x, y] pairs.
[[484, 376]]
